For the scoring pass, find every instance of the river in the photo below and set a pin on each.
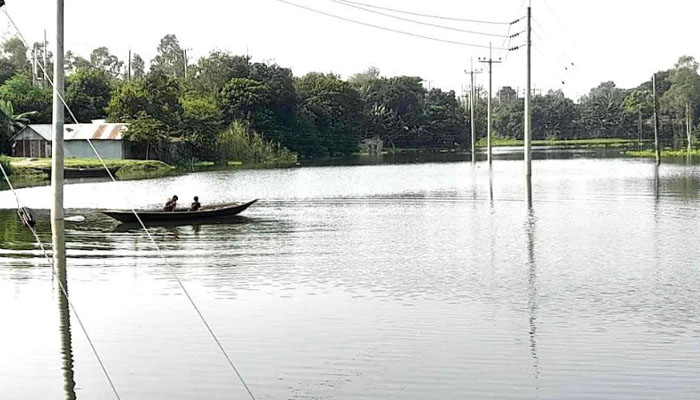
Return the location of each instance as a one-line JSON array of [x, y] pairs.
[[418, 280]]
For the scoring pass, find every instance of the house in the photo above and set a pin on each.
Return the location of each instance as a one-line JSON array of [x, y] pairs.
[[108, 139], [372, 146]]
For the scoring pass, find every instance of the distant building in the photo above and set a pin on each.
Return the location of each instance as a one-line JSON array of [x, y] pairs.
[[108, 139], [372, 146]]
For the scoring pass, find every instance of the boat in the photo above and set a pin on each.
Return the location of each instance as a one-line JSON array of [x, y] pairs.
[[207, 212]]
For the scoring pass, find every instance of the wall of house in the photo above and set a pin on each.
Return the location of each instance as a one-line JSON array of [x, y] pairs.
[[108, 149], [30, 144]]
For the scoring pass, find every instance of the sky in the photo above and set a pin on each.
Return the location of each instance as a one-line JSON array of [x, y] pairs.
[[576, 44]]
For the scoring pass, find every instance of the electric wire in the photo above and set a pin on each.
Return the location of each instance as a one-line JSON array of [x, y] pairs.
[[148, 234], [349, 4], [383, 28], [476, 21]]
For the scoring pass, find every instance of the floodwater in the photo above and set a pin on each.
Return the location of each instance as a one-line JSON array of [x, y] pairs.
[[385, 281]]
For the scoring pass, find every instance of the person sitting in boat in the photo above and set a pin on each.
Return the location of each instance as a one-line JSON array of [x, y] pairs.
[[171, 204], [195, 204]]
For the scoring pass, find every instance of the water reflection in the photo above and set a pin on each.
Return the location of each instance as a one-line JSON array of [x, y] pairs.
[[532, 286], [66, 338]]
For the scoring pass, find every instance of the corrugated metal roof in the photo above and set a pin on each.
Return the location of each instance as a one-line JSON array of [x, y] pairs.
[[101, 131]]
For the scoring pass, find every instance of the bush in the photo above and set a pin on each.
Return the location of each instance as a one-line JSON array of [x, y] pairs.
[[240, 143], [5, 161]]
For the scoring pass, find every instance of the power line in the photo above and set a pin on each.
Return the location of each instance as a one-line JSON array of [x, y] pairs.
[[349, 4], [476, 21], [385, 28]]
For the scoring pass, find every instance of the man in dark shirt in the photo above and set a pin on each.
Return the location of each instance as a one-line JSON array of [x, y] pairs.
[[195, 204], [170, 204]]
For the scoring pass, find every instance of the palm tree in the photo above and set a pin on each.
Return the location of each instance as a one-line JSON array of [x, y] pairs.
[[10, 122]]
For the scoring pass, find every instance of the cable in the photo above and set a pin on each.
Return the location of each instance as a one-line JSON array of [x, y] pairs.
[[385, 28], [171, 269], [64, 292], [432, 16], [349, 4]]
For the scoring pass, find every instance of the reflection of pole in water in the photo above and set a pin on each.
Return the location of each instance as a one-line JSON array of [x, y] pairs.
[[64, 313], [491, 186], [528, 191], [532, 289]]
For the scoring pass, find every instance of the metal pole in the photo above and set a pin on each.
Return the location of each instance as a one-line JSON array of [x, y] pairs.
[[184, 56], [471, 106], [128, 74], [528, 112], [34, 73], [490, 62], [45, 81], [657, 146], [59, 251]]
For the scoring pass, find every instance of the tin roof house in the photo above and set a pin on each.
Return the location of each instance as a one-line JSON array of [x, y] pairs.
[[108, 139]]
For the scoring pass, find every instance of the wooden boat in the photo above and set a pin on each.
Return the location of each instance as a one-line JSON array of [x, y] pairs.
[[208, 212]]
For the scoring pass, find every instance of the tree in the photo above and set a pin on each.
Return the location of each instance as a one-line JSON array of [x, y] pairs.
[[363, 79], [445, 121], [638, 104], [170, 59], [44, 70], [16, 53], [684, 93], [7, 70], [101, 59], [335, 108], [201, 123], [10, 123], [138, 67], [25, 97], [554, 116], [87, 93], [212, 73], [246, 99], [74, 62], [601, 111]]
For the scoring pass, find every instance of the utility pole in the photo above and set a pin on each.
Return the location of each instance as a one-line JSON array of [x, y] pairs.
[[43, 83], [656, 120], [184, 56], [490, 62], [472, 94], [128, 68], [528, 112], [34, 73]]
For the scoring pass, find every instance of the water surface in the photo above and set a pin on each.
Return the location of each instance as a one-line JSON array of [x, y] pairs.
[[405, 281]]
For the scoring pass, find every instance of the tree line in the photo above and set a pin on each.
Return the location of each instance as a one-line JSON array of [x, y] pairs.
[[318, 114]]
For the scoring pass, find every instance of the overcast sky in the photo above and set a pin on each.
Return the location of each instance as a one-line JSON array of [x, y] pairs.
[[619, 40]]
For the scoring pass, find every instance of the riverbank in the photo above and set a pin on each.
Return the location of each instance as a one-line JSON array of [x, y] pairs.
[[600, 142], [667, 153]]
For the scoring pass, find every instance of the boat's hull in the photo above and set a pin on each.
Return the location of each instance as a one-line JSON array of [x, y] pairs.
[[205, 213]]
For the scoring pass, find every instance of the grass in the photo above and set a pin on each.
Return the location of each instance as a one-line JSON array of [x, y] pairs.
[[38, 169], [664, 153], [602, 142]]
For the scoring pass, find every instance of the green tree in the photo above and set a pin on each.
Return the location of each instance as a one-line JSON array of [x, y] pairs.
[[170, 59], [138, 67], [88, 93], [74, 62], [10, 123], [101, 59], [157, 96], [638, 104], [445, 121], [16, 53], [25, 97], [248, 100], [335, 108], [213, 72], [601, 111], [201, 123], [684, 94]]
